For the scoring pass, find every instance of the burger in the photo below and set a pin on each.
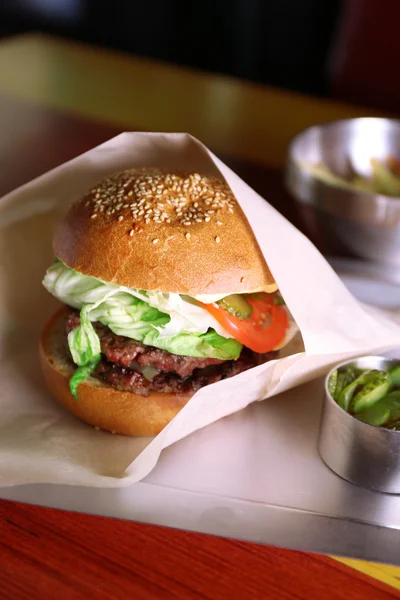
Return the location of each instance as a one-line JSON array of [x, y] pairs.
[[164, 291]]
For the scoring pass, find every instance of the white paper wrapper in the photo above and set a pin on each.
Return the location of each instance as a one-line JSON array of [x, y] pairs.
[[39, 441]]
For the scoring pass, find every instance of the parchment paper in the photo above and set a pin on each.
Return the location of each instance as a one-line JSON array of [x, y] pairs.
[[41, 442]]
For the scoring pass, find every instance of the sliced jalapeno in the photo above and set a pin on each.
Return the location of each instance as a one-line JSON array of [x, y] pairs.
[[395, 376], [333, 379], [377, 415], [372, 391], [348, 391]]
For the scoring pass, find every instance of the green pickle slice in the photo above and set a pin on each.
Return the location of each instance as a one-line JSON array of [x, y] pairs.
[[395, 376], [348, 390], [377, 415], [344, 378], [339, 386], [372, 391], [385, 412], [372, 396], [332, 383], [236, 305]]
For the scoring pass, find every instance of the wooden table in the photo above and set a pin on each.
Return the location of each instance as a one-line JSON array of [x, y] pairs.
[[56, 101]]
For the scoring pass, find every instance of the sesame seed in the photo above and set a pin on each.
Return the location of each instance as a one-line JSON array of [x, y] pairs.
[[155, 241], [93, 216], [187, 235], [217, 239], [151, 195], [132, 231]]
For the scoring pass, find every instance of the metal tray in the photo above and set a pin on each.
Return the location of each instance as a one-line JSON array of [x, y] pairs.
[[257, 479]]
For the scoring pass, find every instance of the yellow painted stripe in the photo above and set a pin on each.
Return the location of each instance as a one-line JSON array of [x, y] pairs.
[[385, 573], [238, 118]]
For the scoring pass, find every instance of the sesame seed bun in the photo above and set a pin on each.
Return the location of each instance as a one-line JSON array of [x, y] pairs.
[[98, 404], [172, 232]]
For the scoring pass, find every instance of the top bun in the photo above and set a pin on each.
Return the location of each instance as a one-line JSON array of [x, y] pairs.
[[171, 232]]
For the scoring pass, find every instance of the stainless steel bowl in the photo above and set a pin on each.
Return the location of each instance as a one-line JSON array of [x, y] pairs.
[[366, 224], [363, 454]]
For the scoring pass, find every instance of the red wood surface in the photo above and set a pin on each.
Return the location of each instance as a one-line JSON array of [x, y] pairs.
[[48, 554]]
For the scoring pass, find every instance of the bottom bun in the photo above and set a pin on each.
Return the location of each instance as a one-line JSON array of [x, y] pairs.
[[98, 404]]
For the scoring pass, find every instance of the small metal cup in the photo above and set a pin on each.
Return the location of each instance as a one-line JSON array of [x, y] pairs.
[[363, 454]]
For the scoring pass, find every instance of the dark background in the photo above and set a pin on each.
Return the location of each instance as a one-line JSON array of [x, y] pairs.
[[280, 42], [348, 49]]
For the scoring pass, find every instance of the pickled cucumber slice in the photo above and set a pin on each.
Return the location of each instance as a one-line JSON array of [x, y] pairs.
[[351, 375], [395, 376], [385, 412], [377, 415], [392, 402], [339, 386], [332, 383], [236, 305], [343, 380], [393, 397], [350, 383], [372, 391]]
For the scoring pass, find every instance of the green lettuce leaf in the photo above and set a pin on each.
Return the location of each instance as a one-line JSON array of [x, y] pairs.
[[131, 317], [81, 374], [128, 313]]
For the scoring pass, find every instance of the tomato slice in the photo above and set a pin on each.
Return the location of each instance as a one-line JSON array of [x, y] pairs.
[[263, 330]]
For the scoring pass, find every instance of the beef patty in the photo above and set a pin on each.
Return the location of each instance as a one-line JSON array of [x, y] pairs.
[[123, 360]]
